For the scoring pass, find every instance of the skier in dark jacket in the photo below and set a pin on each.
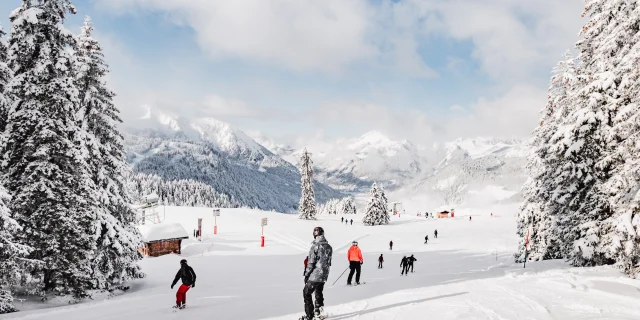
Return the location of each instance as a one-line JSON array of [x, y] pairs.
[[426, 239], [316, 274], [405, 265], [411, 260], [380, 261], [188, 277], [435, 233], [341, 219], [351, 221], [390, 245]]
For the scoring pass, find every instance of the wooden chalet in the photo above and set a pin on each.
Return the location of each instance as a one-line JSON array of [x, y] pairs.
[[443, 214], [161, 239]]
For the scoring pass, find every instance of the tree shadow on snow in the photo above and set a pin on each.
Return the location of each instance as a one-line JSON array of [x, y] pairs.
[[395, 305]]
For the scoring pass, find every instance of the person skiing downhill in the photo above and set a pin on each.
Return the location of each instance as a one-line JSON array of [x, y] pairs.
[[355, 261], [404, 263], [426, 239], [188, 277], [435, 234], [341, 219], [411, 260], [469, 218], [390, 245], [316, 274], [351, 221], [380, 261]]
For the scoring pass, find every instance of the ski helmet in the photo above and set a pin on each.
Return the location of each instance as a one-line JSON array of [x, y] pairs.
[[318, 231], [355, 243], [183, 261]]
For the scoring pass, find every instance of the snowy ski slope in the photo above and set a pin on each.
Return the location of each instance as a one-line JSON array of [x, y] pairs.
[[467, 273]]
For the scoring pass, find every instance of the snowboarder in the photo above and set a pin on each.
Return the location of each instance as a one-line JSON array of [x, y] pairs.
[[426, 239], [317, 273], [405, 265], [435, 234], [411, 260], [380, 261], [306, 263], [351, 221], [188, 277], [390, 245], [355, 261]]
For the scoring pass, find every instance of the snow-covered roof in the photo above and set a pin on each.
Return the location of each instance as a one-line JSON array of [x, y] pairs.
[[162, 231]]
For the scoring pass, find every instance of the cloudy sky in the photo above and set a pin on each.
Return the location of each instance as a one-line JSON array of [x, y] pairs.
[[296, 69]]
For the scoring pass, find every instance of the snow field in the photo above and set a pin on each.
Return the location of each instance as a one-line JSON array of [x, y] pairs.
[[464, 274]]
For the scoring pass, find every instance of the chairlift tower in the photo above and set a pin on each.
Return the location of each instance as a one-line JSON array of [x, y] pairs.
[[148, 209]]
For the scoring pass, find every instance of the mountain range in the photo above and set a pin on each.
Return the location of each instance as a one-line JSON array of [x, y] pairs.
[[259, 172]]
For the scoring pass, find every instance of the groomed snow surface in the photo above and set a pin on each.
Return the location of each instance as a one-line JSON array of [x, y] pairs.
[[467, 273]]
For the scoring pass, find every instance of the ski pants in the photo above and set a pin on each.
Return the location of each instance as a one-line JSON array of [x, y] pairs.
[[181, 295], [309, 289], [410, 266], [355, 267], [379, 264], [405, 269]]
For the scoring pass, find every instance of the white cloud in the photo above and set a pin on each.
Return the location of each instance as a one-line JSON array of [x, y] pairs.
[[216, 105]]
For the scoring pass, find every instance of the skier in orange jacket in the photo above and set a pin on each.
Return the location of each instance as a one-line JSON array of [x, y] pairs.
[[355, 261]]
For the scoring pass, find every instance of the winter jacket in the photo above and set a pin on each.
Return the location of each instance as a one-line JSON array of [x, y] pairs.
[[404, 262], [319, 260], [380, 259], [186, 274], [410, 260], [354, 254]]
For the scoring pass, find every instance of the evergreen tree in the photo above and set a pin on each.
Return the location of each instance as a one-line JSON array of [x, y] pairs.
[[11, 254], [538, 214], [348, 206], [609, 49], [376, 212], [43, 161], [307, 207], [5, 76], [118, 240]]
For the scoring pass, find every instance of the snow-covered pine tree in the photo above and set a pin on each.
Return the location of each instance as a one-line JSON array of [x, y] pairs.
[[118, 240], [5, 76], [11, 254], [376, 212], [348, 206], [307, 207], [609, 50], [537, 217], [385, 205], [42, 157]]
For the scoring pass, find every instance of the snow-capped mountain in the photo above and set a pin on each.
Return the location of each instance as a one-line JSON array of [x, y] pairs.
[[446, 173], [470, 168], [214, 153], [353, 164]]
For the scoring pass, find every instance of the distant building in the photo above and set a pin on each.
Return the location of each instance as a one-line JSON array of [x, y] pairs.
[[161, 239], [443, 214]]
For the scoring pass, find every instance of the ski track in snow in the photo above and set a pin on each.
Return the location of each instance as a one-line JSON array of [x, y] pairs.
[[467, 273]]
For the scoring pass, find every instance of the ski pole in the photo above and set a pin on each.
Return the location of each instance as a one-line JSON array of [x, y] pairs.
[[345, 270]]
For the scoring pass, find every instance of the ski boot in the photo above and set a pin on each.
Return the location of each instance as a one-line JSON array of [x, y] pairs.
[[182, 306]]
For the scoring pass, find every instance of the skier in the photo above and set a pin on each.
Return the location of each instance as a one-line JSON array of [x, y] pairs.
[[411, 260], [380, 261], [426, 239], [316, 275], [390, 245], [188, 277], [469, 218], [351, 221], [355, 261], [341, 219], [306, 263], [435, 234], [405, 266]]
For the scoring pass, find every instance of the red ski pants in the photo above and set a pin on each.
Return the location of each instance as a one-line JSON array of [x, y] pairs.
[[181, 295]]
